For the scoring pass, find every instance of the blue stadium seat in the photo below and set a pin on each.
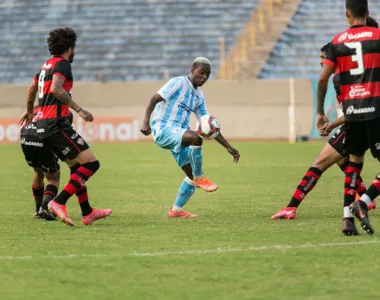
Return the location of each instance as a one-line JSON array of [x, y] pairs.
[[120, 39], [315, 23]]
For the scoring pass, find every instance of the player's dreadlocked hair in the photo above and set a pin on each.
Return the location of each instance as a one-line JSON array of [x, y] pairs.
[[61, 39], [326, 48], [371, 22], [358, 8]]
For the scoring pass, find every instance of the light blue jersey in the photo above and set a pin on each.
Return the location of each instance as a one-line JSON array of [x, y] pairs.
[[181, 98]]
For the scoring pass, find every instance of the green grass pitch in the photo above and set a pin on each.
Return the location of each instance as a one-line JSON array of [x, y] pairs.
[[232, 251]]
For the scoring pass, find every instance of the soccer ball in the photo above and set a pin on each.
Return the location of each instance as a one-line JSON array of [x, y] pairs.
[[208, 127]]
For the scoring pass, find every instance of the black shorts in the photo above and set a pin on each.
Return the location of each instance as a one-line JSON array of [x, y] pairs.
[[39, 155], [338, 139], [66, 143], [361, 136]]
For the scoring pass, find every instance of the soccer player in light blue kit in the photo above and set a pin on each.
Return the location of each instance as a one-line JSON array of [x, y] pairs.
[[172, 106]]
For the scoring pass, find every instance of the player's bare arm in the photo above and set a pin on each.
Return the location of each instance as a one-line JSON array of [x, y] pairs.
[[221, 140], [323, 82], [28, 116], [145, 128], [59, 92]]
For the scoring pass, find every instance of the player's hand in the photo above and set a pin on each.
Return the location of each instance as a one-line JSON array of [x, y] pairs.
[[234, 153], [86, 115], [322, 122], [26, 119], [145, 129], [325, 131]]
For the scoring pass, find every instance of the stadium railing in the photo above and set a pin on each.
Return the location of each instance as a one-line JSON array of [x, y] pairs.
[[230, 64]]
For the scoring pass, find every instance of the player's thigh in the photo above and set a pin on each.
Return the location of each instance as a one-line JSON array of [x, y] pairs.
[[39, 172], [373, 133], [327, 157], [48, 160], [357, 141], [171, 139], [68, 144], [191, 138], [31, 155]]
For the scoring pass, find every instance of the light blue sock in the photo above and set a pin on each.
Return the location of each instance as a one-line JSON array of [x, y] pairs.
[[195, 156], [186, 190]]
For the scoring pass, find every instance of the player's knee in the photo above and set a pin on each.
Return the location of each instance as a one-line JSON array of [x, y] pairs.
[[39, 174], [321, 164], [53, 178], [92, 166], [197, 141], [74, 168]]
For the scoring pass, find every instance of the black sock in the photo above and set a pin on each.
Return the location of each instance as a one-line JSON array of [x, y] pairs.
[[38, 192], [49, 194], [83, 201]]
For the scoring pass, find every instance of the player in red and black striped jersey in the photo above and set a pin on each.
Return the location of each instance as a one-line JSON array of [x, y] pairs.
[[53, 85], [333, 153], [356, 52], [44, 162]]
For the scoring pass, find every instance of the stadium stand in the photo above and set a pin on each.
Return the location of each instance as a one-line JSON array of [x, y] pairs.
[[296, 53], [119, 39]]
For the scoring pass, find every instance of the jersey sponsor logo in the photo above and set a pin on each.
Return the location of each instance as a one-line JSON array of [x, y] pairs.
[[185, 107], [41, 130], [358, 91], [344, 36], [351, 110], [30, 143]]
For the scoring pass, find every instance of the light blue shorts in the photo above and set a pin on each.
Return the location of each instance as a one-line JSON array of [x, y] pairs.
[[171, 139]]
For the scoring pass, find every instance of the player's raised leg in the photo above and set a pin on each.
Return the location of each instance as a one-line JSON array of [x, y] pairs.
[[191, 139]]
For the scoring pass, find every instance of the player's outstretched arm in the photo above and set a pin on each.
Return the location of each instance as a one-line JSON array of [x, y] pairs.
[[145, 128], [221, 140], [28, 116], [59, 92]]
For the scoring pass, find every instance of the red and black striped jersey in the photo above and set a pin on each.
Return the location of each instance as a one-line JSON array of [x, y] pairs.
[[51, 111], [336, 82], [356, 52]]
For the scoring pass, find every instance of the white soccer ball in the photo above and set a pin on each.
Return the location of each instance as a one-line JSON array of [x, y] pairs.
[[208, 127]]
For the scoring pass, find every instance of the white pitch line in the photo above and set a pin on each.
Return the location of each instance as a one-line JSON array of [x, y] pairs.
[[193, 252]]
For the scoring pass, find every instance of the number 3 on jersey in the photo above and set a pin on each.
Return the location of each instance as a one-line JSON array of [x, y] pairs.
[[358, 57], [41, 82]]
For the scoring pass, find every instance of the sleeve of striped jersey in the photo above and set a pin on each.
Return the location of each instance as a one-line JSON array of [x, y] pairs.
[[63, 69], [172, 86], [35, 79], [201, 109]]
